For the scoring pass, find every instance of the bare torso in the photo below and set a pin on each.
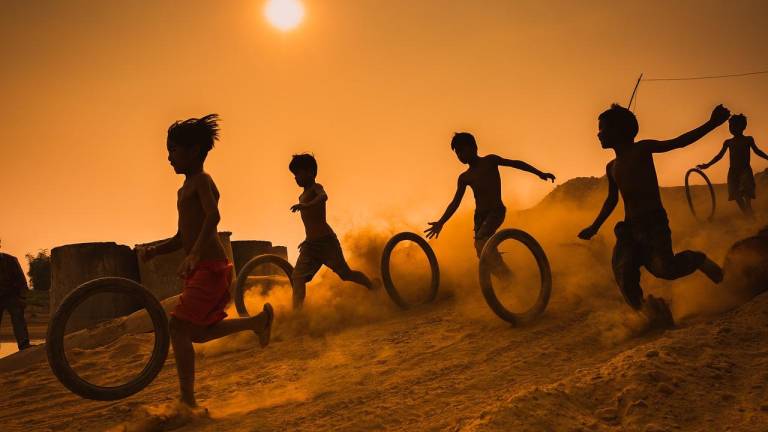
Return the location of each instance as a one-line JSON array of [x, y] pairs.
[[635, 176], [192, 216], [315, 224], [485, 181], [739, 151]]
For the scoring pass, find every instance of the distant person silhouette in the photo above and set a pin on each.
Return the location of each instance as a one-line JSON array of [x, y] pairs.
[[644, 237], [321, 246], [13, 289], [741, 181], [207, 274], [484, 179]]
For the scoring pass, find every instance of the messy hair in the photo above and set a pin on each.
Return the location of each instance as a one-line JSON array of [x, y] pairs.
[[303, 161], [463, 139], [622, 119], [203, 131], [739, 121]]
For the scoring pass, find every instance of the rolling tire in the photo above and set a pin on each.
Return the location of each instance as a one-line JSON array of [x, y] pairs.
[[57, 358], [386, 275], [242, 277], [544, 272], [711, 193]]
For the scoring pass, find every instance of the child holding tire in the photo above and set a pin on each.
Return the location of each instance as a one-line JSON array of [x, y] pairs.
[[741, 180]]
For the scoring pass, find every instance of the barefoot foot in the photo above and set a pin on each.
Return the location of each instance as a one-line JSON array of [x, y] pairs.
[[658, 314]]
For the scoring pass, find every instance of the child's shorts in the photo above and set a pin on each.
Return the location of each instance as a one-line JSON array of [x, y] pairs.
[[741, 184], [206, 293], [488, 221], [316, 252]]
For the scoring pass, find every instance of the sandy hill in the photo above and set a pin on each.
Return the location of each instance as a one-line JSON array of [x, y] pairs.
[[352, 361]]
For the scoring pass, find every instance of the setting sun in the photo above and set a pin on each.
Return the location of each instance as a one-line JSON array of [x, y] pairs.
[[284, 14]]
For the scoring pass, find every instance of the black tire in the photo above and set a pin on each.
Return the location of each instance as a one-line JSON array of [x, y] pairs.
[[57, 358], [544, 272], [242, 277], [711, 193], [386, 275]]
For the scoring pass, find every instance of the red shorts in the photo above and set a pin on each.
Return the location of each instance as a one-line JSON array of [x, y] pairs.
[[206, 293]]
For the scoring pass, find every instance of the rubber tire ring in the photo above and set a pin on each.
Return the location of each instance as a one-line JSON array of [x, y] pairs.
[[242, 277], [711, 193], [57, 358], [386, 275], [544, 271]]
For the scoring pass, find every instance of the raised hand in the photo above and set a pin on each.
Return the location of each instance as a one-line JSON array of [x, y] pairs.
[[547, 176], [588, 232], [297, 207], [719, 115], [434, 230]]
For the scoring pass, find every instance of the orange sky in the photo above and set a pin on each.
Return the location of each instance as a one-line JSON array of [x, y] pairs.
[[374, 88]]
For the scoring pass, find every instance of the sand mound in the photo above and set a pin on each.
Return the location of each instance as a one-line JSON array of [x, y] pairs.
[[697, 378]]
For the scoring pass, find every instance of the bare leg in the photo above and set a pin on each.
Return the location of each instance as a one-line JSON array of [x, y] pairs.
[[185, 360], [299, 292], [497, 265], [357, 277], [748, 207], [745, 204], [183, 333], [227, 327]]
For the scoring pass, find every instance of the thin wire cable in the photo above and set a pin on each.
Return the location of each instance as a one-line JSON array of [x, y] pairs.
[[707, 77], [634, 92]]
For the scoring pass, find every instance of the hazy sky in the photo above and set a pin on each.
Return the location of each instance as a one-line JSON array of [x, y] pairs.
[[375, 89]]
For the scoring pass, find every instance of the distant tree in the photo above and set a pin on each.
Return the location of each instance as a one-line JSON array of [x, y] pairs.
[[39, 270]]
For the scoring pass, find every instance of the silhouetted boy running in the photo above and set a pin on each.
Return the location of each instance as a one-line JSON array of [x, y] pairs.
[[644, 237], [199, 315], [741, 181], [484, 179], [321, 245]]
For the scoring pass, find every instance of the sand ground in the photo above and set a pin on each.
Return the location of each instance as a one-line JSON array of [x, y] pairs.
[[353, 361]]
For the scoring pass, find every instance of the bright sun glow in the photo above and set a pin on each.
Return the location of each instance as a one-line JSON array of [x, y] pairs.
[[284, 14]]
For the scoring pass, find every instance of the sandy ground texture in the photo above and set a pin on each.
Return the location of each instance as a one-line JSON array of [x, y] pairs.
[[352, 361]]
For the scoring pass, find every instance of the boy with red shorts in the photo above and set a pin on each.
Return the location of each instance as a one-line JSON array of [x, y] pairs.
[[199, 316]]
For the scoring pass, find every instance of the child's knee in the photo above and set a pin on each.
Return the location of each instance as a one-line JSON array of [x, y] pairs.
[[177, 327], [663, 269]]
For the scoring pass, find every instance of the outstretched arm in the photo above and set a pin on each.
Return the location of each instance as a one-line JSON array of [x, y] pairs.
[[436, 227], [719, 115], [757, 150], [610, 203], [320, 197], [168, 246], [522, 166], [714, 160]]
